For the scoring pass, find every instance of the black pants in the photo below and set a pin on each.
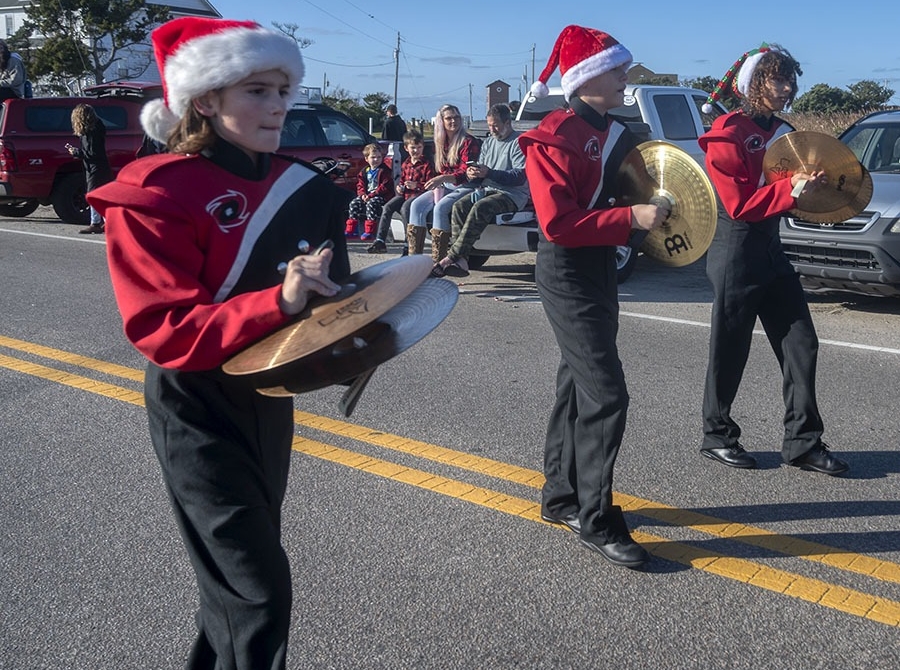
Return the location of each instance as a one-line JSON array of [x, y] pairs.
[[743, 289], [580, 297], [225, 452]]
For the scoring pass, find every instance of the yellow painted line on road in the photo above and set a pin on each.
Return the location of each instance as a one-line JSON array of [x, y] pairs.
[[75, 381], [836, 597], [73, 359], [758, 537], [810, 590]]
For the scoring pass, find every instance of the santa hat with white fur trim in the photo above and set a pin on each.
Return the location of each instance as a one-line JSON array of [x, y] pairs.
[[196, 55], [736, 81], [581, 54]]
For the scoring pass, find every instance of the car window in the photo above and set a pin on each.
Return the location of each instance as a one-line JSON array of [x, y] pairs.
[[114, 118], [58, 118], [707, 119], [340, 133], [675, 116], [876, 147], [536, 109], [301, 131]]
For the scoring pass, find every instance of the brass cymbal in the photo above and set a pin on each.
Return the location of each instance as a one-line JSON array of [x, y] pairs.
[[808, 151], [390, 334], [364, 297], [663, 173]]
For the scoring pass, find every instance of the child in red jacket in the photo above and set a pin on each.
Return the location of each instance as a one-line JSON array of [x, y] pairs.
[[374, 187]]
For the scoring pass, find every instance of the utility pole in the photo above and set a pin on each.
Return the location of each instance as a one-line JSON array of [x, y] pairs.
[[396, 67], [532, 63], [470, 103]]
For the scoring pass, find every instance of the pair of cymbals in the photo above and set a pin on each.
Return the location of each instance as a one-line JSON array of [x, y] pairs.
[[848, 188], [661, 173], [380, 312]]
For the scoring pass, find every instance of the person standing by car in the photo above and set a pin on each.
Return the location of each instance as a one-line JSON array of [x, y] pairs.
[[394, 126], [88, 126], [12, 74], [196, 239], [750, 274], [571, 161]]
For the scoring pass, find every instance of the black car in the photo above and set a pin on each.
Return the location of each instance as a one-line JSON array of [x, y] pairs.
[[861, 254]]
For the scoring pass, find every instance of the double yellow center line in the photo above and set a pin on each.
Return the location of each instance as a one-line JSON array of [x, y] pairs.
[[834, 596]]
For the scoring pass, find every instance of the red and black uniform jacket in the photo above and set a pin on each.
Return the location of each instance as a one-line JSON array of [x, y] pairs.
[[571, 161], [194, 243]]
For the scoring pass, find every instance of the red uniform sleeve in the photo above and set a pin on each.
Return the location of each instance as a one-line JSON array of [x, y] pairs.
[[156, 264], [559, 189], [736, 176]]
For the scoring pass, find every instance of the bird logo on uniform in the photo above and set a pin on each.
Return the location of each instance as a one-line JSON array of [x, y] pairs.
[[229, 210]]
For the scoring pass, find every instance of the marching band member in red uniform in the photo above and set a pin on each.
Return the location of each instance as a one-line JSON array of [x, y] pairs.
[[750, 274], [195, 239], [571, 161]]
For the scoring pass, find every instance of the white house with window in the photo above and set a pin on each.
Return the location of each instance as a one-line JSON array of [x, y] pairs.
[[13, 18]]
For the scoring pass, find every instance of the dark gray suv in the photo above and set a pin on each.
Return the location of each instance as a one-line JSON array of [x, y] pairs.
[[862, 254]]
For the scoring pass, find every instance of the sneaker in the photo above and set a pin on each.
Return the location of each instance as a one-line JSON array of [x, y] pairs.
[[366, 236], [378, 247]]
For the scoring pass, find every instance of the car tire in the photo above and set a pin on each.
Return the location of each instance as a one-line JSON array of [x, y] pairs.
[[477, 261], [16, 209], [626, 259], [68, 199]]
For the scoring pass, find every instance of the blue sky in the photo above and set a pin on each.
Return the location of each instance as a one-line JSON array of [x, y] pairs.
[[449, 52]]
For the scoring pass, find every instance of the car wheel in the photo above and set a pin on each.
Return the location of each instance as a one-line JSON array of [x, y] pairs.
[[18, 208], [68, 199], [626, 258], [475, 262]]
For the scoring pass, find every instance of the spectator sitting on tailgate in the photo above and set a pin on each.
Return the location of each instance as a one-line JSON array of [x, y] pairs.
[[503, 189], [414, 174], [374, 186]]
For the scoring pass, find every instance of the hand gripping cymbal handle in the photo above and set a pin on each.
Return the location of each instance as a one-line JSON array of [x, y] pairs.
[[303, 248], [352, 394]]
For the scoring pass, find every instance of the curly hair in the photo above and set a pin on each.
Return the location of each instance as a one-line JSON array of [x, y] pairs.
[[84, 118], [777, 63]]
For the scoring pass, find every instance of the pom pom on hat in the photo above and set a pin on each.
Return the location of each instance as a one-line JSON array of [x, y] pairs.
[[196, 55], [581, 54], [736, 81]]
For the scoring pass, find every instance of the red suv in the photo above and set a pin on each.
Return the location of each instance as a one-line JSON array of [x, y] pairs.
[[36, 169]]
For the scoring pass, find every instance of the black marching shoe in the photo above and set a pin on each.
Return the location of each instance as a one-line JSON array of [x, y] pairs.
[[733, 457], [627, 553], [819, 459], [570, 521], [624, 551]]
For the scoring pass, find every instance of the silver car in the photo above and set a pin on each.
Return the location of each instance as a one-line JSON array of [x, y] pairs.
[[862, 254]]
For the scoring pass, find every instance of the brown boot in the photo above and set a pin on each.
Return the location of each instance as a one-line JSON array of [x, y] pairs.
[[415, 238], [440, 241]]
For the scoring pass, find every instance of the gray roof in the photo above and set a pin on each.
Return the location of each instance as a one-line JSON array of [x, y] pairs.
[[188, 7]]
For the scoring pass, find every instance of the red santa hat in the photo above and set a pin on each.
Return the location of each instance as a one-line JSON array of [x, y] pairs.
[[581, 54], [196, 55], [736, 81]]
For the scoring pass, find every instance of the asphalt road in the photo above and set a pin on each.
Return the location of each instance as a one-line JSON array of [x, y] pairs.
[[413, 527]]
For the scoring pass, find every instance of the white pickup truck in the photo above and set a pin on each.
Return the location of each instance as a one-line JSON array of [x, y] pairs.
[[670, 113]]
